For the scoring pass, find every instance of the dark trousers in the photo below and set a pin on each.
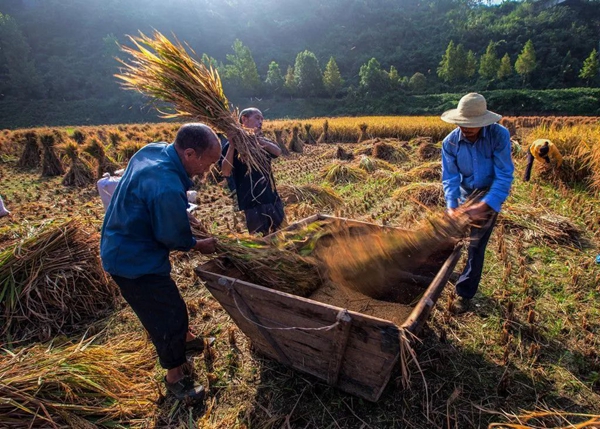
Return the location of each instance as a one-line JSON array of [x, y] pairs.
[[265, 219], [157, 303], [468, 282]]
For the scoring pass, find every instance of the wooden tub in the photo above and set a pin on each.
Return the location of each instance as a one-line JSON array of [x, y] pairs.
[[352, 351]]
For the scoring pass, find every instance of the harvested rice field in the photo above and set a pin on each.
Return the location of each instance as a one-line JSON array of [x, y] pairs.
[[73, 354]]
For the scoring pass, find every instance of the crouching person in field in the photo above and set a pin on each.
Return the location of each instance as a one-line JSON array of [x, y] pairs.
[[145, 220], [256, 194], [543, 151], [476, 159]]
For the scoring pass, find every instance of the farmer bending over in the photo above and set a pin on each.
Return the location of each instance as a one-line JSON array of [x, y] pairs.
[[256, 194], [145, 220], [543, 151], [476, 156]]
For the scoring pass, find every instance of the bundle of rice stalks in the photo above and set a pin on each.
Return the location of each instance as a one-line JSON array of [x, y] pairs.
[[78, 136], [516, 147], [428, 171], [270, 266], [114, 137], [77, 386], [295, 143], [319, 196], [279, 140], [52, 283], [105, 163], [341, 174], [166, 72], [363, 132], [324, 137], [79, 173], [127, 150], [370, 262], [51, 165], [389, 152], [309, 139], [427, 150], [372, 164], [427, 193], [30, 158], [573, 170], [549, 419], [341, 154], [213, 176], [541, 226]]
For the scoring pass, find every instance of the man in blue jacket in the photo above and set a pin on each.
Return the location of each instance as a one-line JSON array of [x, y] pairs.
[[145, 221], [476, 158]]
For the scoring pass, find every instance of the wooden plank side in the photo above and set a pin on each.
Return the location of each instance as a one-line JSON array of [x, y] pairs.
[[338, 346], [318, 347], [370, 335], [362, 367], [421, 311], [308, 313]]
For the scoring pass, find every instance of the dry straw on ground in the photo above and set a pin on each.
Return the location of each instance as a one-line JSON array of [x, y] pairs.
[[541, 225], [319, 196], [52, 283], [427, 193], [77, 386], [165, 71], [549, 419], [389, 151], [340, 173], [372, 164]]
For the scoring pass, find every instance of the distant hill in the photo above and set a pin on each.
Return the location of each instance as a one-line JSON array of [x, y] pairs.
[[53, 51]]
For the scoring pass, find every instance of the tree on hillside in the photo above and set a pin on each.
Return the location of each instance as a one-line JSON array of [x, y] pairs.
[[395, 81], [372, 78], [210, 62], [274, 81], [290, 81], [307, 74], [526, 61], [568, 69], [460, 67], [489, 63], [470, 65], [417, 83], [332, 79], [241, 72], [23, 79], [589, 71], [505, 68], [456, 64], [447, 68]]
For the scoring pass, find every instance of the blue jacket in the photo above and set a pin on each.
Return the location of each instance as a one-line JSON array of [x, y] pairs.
[[485, 164], [147, 216]]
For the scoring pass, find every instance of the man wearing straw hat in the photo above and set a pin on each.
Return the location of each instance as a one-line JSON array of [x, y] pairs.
[[476, 160], [145, 220], [256, 194]]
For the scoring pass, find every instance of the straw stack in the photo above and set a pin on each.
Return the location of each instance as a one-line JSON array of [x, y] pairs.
[[52, 283]]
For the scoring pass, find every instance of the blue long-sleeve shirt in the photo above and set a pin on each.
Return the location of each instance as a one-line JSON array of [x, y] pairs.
[[485, 164], [147, 216]]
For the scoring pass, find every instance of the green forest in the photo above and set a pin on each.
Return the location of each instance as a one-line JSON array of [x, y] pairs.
[[310, 58]]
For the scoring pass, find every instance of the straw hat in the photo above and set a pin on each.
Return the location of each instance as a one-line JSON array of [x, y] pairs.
[[471, 112]]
